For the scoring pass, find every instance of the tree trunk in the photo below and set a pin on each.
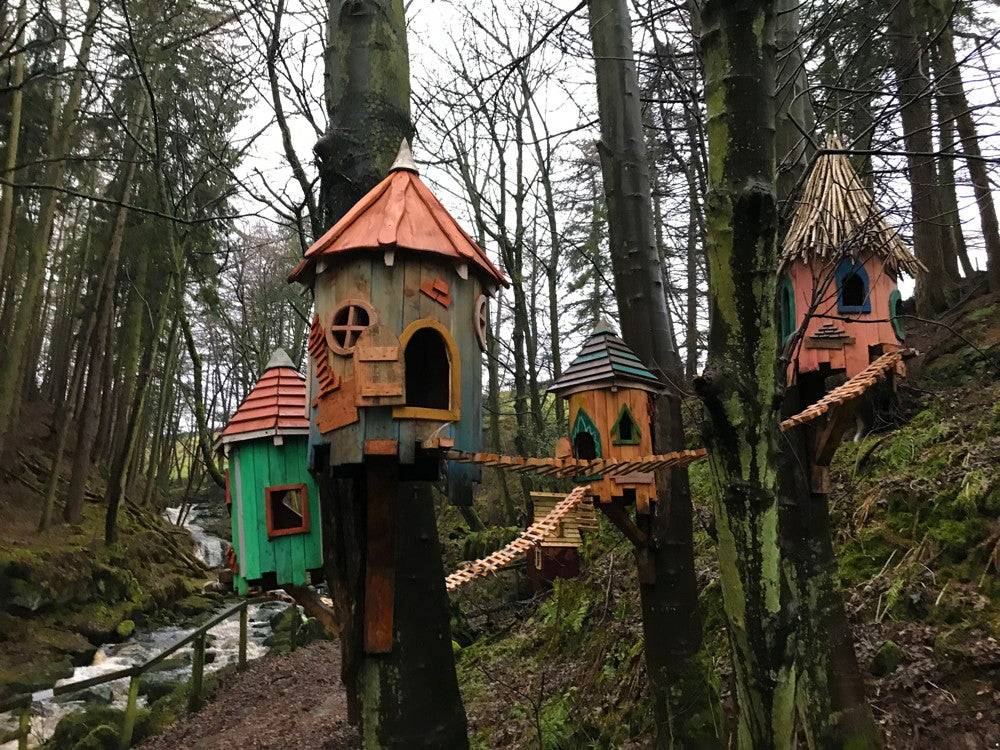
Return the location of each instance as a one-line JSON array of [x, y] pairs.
[[407, 698], [100, 320], [948, 187], [949, 75], [684, 704], [933, 288], [201, 424], [367, 92], [785, 622], [13, 136], [60, 139]]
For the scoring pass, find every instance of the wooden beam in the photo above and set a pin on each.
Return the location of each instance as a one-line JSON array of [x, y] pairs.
[[615, 512], [829, 435], [380, 491]]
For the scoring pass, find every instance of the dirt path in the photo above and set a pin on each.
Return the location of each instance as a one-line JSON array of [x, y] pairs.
[[293, 701]]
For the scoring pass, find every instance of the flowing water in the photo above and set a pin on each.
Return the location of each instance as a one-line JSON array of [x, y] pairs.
[[221, 649]]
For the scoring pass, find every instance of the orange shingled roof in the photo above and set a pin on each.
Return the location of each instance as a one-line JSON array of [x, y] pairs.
[[276, 405], [399, 212]]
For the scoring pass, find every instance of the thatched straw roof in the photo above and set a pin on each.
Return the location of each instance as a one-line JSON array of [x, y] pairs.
[[836, 216]]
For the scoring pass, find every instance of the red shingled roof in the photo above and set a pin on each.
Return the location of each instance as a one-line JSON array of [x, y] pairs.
[[400, 211], [275, 406]]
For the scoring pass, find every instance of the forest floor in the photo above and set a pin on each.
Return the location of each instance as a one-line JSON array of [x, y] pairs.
[[279, 702], [63, 592]]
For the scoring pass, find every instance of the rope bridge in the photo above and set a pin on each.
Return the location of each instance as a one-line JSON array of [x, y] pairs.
[[566, 468], [847, 391], [525, 541], [570, 467]]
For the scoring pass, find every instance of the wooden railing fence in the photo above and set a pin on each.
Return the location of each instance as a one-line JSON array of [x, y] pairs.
[[22, 702]]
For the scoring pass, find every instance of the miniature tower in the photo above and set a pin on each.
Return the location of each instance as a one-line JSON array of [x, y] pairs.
[[610, 394], [274, 500], [842, 261], [400, 293]]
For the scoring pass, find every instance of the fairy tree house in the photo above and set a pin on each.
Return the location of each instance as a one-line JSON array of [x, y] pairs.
[[396, 344], [274, 500], [838, 303], [395, 349], [610, 395]]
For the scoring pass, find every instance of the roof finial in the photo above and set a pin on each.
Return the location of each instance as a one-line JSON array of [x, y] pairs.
[[604, 326], [279, 359], [404, 159]]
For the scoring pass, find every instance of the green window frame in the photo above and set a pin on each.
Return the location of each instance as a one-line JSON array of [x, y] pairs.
[[786, 309], [895, 300], [625, 414], [583, 423]]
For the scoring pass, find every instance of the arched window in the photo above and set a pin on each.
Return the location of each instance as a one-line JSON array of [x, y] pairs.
[[428, 371], [786, 309], [625, 430], [895, 313], [586, 437], [853, 291], [431, 373]]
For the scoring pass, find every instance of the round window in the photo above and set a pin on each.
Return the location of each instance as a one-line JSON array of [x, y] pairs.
[[482, 321], [348, 323]]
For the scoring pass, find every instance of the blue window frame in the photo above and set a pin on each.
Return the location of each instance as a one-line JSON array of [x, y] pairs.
[[853, 289]]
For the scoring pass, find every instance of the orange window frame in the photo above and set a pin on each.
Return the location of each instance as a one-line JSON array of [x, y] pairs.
[[304, 527]]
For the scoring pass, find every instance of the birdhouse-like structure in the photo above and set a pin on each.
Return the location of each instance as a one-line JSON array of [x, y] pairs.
[[610, 394], [274, 502], [395, 347], [837, 277]]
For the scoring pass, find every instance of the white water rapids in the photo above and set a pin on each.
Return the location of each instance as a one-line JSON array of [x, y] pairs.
[[221, 649]]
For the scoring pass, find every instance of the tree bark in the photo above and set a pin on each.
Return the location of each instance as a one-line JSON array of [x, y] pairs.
[[60, 139], [949, 74], [933, 287], [367, 91], [785, 622], [671, 623]]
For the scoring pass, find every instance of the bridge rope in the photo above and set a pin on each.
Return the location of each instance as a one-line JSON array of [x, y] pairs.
[[568, 467], [525, 541], [847, 391]]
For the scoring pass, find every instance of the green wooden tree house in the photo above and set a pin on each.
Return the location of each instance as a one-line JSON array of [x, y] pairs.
[[274, 502]]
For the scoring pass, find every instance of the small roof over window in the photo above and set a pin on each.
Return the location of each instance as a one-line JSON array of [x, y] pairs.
[[400, 212], [276, 405]]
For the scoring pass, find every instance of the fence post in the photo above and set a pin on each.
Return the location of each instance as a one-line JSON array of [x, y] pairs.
[[128, 724], [24, 728], [197, 667], [241, 662]]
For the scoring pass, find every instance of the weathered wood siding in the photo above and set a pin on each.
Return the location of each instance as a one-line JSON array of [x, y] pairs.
[[852, 358], [253, 466], [394, 294]]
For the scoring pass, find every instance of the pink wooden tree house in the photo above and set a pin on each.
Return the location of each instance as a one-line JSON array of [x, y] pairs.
[[837, 286]]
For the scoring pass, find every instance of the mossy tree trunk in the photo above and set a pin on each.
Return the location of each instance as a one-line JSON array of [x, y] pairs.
[[367, 91], [671, 623], [791, 645], [407, 698]]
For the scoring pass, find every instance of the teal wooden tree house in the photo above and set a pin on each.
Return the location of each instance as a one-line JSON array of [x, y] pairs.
[[274, 502]]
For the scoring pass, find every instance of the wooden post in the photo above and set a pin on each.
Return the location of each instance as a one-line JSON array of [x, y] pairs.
[[24, 728], [380, 490], [241, 660], [197, 668], [128, 723]]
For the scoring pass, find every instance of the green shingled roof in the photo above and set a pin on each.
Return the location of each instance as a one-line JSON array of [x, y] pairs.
[[604, 361]]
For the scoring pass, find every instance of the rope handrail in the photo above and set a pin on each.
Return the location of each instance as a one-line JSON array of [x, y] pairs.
[[845, 392], [525, 541]]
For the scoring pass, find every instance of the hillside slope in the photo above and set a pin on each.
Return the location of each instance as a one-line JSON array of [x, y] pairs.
[[918, 543]]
